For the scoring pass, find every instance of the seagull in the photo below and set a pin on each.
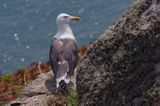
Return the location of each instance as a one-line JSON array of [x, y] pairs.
[[63, 53]]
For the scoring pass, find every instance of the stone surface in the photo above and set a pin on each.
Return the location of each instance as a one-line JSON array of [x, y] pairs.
[[122, 67], [38, 92], [44, 84], [38, 100]]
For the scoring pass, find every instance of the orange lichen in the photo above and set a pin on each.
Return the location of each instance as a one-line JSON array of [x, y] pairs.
[[82, 50]]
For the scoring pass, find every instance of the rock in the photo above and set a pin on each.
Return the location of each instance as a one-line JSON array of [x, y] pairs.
[[38, 100], [44, 84], [42, 92], [122, 67], [37, 92]]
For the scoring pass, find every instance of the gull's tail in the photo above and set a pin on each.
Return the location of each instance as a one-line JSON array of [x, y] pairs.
[[61, 74]]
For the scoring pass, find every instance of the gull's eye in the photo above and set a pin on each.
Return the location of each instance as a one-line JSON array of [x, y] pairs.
[[65, 16]]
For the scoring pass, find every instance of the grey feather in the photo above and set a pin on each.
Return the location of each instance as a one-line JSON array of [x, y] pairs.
[[63, 50]]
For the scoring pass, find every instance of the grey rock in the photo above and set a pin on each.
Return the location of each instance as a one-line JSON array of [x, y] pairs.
[[38, 92], [38, 100], [43, 84], [122, 67]]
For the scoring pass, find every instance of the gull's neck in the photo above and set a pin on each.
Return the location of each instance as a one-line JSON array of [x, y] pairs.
[[64, 31]]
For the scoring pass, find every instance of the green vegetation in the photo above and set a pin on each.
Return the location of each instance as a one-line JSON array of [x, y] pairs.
[[63, 99], [6, 78], [23, 70], [72, 98]]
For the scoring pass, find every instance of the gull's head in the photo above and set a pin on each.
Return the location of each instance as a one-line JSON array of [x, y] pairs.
[[66, 18]]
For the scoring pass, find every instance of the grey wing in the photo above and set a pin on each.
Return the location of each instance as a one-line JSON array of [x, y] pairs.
[[56, 55], [52, 55], [71, 55]]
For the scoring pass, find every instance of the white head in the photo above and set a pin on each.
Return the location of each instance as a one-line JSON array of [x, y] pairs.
[[64, 30], [64, 18]]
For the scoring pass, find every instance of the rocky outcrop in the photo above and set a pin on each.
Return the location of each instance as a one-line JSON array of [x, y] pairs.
[[42, 92], [122, 67], [38, 92]]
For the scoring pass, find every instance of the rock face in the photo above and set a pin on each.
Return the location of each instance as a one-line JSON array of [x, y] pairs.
[[122, 67]]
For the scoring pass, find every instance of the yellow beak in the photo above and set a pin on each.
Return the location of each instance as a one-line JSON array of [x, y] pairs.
[[75, 18]]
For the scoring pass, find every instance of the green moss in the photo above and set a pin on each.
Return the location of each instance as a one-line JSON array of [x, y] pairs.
[[72, 98], [62, 99], [6, 78], [23, 70]]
